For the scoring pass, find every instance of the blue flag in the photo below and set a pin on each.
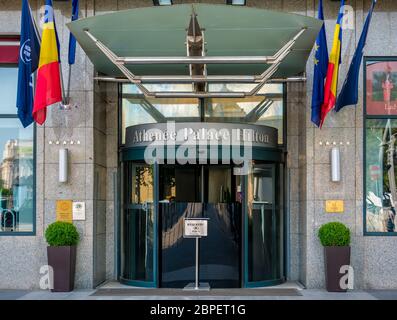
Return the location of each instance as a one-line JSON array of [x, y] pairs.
[[72, 39], [349, 93], [29, 52], [320, 70]]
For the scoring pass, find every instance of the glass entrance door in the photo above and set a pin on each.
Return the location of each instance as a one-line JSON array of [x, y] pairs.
[[193, 192], [139, 226], [263, 227], [244, 246]]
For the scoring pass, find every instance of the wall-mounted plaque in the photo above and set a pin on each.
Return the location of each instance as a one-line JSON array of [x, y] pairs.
[[78, 210], [64, 210], [334, 206]]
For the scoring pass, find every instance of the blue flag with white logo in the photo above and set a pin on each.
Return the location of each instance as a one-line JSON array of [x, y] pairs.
[[320, 70], [349, 93], [29, 52], [72, 39]]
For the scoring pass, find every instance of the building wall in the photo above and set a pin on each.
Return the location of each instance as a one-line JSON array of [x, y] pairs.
[[22, 256], [94, 161]]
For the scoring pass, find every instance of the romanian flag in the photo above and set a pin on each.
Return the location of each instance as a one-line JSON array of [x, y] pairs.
[[331, 82], [48, 84]]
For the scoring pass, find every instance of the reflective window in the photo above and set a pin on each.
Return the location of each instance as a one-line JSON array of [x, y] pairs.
[[138, 109], [265, 108], [8, 90], [264, 224], [16, 161], [138, 223], [269, 88], [259, 110], [381, 163], [380, 156]]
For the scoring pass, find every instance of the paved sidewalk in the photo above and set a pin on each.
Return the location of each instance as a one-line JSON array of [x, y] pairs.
[[306, 295], [216, 294]]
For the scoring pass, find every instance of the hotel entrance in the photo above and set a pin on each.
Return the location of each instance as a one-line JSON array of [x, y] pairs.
[[201, 191], [209, 68], [245, 242]]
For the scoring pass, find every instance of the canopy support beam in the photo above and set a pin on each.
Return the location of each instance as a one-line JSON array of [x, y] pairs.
[[274, 62]]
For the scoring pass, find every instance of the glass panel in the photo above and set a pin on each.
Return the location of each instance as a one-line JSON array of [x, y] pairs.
[[273, 88], [180, 188], [16, 177], [263, 235], [257, 110], [139, 223], [219, 251], [180, 183], [8, 90], [269, 88], [157, 87], [142, 184], [381, 193], [381, 87], [139, 110], [219, 185], [140, 238]]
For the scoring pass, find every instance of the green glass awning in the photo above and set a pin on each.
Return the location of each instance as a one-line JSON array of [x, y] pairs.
[[223, 41]]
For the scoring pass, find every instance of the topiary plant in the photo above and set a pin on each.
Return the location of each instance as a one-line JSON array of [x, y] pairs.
[[61, 234], [334, 234]]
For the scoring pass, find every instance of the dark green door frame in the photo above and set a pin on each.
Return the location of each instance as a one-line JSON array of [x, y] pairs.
[[272, 157]]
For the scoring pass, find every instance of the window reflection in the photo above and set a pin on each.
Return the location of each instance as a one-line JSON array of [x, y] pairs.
[[138, 223], [16, 176], [259, 110], [264, 229], [381, 193], [141, 110], [245, 87], [8, 90], [266, 108]]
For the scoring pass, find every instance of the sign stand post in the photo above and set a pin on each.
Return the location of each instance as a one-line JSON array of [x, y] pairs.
[[196, 228]]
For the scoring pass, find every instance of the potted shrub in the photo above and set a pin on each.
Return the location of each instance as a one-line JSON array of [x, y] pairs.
[[62, 238], [335, 237]]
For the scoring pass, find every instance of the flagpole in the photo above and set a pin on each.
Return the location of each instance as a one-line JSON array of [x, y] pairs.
[[62, 84], [68, 90]]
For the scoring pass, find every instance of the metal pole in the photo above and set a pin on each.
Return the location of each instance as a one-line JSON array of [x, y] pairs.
[[62, 84], [197, 284], [67, 99]]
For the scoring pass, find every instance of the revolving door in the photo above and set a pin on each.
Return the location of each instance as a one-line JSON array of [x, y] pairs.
[[245, 242]]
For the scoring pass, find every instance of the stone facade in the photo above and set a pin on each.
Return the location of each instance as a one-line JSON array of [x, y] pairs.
[[94, 161]]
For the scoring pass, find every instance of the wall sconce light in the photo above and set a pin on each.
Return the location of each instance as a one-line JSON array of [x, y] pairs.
[[335, 164], [63, 165]]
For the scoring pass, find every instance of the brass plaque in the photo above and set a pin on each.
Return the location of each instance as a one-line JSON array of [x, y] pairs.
[[64, 210], [334, 206]]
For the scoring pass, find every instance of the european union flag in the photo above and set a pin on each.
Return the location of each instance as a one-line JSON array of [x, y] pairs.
[[320, 70], [72, 39], [349, 92], [29, 52]]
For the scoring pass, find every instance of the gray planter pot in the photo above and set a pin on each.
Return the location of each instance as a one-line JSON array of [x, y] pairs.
[[63, 262], [334, 259]]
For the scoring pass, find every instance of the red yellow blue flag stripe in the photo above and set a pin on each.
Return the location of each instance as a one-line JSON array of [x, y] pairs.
[[331, 82], [48, 84]]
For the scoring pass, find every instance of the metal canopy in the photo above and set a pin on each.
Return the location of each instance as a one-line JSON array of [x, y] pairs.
[[199, 44]]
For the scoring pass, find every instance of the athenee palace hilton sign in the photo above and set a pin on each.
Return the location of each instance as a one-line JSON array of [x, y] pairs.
[[200, 133]]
